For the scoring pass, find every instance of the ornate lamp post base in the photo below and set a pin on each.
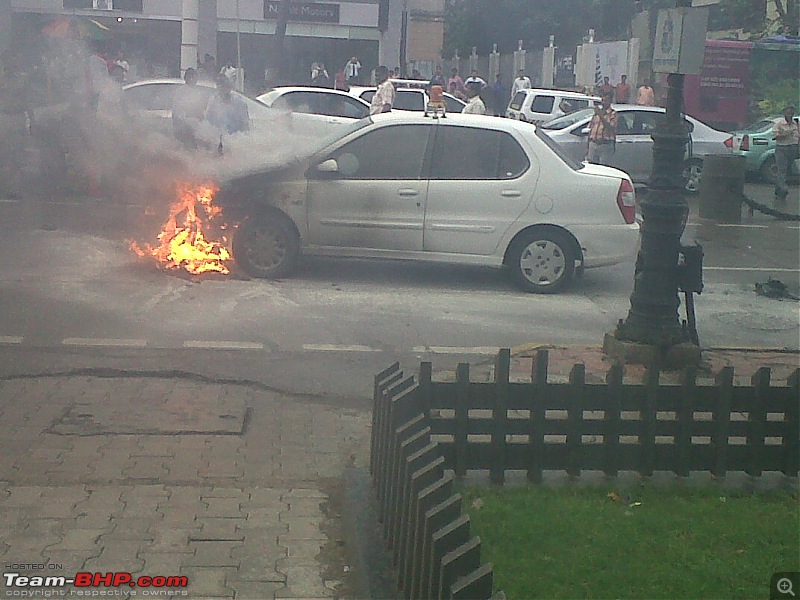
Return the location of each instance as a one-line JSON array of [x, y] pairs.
[[652, 333]]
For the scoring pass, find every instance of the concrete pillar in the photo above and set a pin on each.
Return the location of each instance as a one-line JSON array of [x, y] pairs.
[[473, 60], [633, 64], [494, 64], [548, 66], [519, 58], [189, 30], [207, 28]]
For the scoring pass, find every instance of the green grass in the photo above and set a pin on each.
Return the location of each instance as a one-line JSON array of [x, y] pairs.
[[678, 543]]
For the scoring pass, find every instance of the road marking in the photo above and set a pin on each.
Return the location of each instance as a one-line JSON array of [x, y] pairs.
[[8, 201], [10, 339], [456, 349], [127, 343], [218, 345], [743, 226], [338, 348], [758, 269]]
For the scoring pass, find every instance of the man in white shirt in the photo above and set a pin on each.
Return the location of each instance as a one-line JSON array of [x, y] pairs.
[[352, 70], [522, 82], [383, 100], [476, 79], [475, 106]]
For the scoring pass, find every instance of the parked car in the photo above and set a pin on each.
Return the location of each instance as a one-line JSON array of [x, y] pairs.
[[390, 187], [634, 148], [539, 106], [755, 143], [410, 99], [319, 102], [152, 98]]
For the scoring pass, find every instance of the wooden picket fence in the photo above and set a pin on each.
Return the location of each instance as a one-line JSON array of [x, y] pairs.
[[426, 434]]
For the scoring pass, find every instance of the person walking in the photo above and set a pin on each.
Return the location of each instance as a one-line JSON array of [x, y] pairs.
[[475, 79], [623, 91], [605, 87], [645, 96], [188, 109], [455, 78], [438, 78], [475, 106], [522, 82], [602, 133], [352, 71], [226, 111], [499, 96], [786, 133], [383, 99]]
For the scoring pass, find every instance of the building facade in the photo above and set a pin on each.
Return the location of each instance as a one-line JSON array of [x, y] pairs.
[[168, 36]]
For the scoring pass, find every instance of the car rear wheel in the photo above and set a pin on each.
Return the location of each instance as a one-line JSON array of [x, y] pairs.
[[542, 261], [692, 173], [768, 171], [266, 246]]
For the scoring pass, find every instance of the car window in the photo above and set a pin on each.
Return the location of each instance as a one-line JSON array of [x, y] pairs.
[[302, 102], [568, 120], [482, 154], [517, 100], [348, 107], [643, 122], [409, 100], [557, 150], [543, 104], [760, 126], [452, 105], [392, 152], [157, 96], [367, 95]]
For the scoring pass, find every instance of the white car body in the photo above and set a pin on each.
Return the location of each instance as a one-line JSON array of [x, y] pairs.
[[332, 107], [541, 105], [350, 200]]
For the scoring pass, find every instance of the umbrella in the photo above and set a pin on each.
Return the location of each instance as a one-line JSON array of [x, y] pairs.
[[77, 28]]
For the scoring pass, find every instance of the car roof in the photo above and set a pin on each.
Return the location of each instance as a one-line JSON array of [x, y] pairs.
[[306, 88], [358, 89], [487, 121], [563, 93]]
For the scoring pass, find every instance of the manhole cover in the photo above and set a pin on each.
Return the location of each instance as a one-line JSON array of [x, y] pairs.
[[755, 321], [156, 407]]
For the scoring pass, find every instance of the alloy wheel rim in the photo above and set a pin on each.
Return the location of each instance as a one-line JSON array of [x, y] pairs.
[[266, 248]]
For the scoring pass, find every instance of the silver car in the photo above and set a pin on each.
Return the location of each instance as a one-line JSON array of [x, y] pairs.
[[634, 147]]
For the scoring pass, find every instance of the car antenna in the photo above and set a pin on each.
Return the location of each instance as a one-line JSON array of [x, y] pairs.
[[220, 147]]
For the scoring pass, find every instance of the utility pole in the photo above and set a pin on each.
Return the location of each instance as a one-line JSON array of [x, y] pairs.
[[279, 53], [652, 331]]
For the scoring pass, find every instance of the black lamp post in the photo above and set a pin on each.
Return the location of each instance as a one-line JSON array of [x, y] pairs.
[[653, 316]]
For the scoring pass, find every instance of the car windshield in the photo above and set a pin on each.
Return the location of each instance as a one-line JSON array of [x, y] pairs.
[[558, 150], [568, 120]]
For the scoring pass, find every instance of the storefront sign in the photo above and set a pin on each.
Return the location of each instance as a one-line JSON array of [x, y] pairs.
[[726, 70], [304, 11]]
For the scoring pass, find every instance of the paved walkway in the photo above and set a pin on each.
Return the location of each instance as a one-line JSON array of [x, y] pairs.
[[235, 487]]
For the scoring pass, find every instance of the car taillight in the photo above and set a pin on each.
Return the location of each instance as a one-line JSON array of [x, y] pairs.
[[729, 143], [626, 201], [745, 145]]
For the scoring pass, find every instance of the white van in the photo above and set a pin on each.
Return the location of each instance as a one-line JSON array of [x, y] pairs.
[[540, 106]]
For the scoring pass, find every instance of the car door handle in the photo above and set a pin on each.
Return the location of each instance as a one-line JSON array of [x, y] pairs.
[[407, 192], [511, 193], [760, 142]]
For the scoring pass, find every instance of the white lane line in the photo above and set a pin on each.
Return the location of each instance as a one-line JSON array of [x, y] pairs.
[[338, 348], [456, 349], [8, 201], [127, 343], [10, 339], [758, 269], [219, 345], [743, 226]]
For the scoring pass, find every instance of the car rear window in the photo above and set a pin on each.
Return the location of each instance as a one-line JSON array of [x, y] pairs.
[[543, 104], [409, 100], [482, 154], [576, 166]]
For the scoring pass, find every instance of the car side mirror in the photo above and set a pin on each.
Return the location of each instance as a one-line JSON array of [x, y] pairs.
[[328, 166]]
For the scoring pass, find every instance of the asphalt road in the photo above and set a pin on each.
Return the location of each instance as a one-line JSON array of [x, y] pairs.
[[74, 296]]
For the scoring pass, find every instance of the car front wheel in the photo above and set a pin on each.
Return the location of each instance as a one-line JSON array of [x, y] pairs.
[[266, 246], [542, 261]]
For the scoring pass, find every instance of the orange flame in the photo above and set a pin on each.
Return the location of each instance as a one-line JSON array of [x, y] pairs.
[[184, 245]]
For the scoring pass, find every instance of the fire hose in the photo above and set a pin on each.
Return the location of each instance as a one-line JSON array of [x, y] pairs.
[[767, 210]]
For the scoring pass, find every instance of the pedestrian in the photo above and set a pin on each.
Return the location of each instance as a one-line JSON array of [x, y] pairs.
[[123, 64], [474, 78], [622, 93], [454, 91], [319, 75], [208, 68], [645, 96], [415, 74], [340, 82], [396, 73], [383, 99], [188, 110], [475, 106], [602, 133], [786, 133], [352, 71], [226, 111], [499, 96], [522, 82], [438, 78], [605, 87], [455, 79]]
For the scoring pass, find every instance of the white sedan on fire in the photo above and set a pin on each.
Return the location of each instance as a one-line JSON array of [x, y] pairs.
[[466, 189]]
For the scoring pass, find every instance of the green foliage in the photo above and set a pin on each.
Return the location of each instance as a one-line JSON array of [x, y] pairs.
[[773, 99], [648, 543], [773, 82]]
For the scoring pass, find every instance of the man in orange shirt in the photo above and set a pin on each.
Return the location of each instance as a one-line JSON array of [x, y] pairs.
[[602, 133], [645, 96], [623, 91]]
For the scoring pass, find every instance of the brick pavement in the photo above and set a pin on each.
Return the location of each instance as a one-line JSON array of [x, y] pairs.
[[227, 485]]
